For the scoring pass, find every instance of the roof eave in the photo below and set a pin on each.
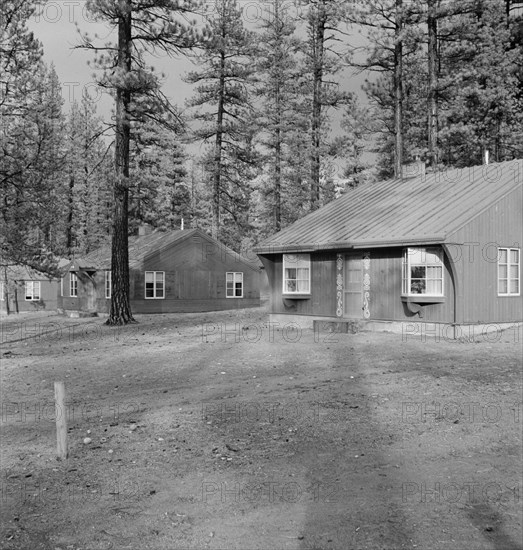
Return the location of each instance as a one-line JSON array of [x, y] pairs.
[[346, 245]]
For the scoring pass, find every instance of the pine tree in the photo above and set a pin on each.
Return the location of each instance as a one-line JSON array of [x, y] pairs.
[[89, 188], [159, 193], [149, 27], [323, 61], [30, 144], [358, 125], [32, 155], [479, 82], [223, 106], [392, 39], [280, 117]]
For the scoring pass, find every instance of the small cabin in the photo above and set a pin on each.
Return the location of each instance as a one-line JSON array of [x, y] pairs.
[[23, 288], [440, 248], [170, 272]]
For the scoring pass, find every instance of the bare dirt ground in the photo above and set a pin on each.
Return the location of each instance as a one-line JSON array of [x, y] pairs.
[[218, 431]]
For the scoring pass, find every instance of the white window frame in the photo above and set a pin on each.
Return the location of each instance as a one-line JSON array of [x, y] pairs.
[[508, 265], [108, 283], [154, 297], [73, 285], [407, 265], [296, 261], [237, 277], [31, 292]]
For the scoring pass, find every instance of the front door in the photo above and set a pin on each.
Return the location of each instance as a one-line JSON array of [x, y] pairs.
[[353, 287], [90, 294]]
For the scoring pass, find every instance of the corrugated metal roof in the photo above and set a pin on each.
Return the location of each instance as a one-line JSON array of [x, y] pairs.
[[420, 210], [140, 246]]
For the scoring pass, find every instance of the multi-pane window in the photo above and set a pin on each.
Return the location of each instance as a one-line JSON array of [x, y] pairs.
[[154, 284], [508, 271], [422, 272], [234, 285], [107, 284], [32, 290], [73, 284], [296, 273]]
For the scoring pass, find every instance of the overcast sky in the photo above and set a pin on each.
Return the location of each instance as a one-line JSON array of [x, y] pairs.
[[56, 28]]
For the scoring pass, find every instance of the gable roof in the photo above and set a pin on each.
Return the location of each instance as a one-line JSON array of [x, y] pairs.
[[141, 246], [425, 209]]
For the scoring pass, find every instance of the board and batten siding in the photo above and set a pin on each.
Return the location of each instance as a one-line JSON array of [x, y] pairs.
[[322, 301], [195, 274], [67, 302], [190, 306], [475, 253], [385, 288], [48, 296], [195, 280]]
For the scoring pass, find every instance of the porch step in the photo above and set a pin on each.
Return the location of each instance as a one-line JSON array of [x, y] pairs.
[[80, 314], [337, 327]]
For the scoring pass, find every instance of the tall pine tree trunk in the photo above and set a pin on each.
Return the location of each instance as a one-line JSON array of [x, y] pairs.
[[277, 163], [6, 292], [398, 91], [70, 216], [120, 302], [432, 102], [215, 229], [318, 32]]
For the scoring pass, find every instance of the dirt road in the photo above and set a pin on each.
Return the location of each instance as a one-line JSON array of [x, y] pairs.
[[221, 431]]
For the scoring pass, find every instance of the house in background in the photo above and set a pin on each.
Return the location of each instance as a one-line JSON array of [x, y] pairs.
[[174, 271], [441, 247], [25, 289]]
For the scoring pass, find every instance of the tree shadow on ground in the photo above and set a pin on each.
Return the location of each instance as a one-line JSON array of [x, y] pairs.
[[491, 524]]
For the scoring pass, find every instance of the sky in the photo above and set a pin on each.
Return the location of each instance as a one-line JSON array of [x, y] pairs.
[[57, 27]]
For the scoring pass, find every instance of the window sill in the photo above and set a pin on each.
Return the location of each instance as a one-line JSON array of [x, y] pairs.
[[296, 296], [423, 299]]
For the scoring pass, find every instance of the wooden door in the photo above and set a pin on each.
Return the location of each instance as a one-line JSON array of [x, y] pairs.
[[353, 287], [90, 291]]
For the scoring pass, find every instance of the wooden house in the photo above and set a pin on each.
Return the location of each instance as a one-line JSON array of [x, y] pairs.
[[442, 248], [25, 289], [175, 271]]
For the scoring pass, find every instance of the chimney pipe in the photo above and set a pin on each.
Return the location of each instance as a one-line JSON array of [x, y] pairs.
[[413, 169], [144, 229]]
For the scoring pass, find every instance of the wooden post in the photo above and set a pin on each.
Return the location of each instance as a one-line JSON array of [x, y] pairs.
[[61, 420]]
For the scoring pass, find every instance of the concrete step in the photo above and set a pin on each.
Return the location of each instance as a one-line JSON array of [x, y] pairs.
[[80, 314]]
